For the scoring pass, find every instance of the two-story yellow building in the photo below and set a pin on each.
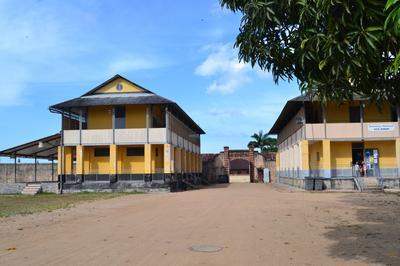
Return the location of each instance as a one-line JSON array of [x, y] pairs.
[[337, 142], [122, 134]]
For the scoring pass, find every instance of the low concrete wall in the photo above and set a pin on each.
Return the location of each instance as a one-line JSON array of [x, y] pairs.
[[391, 182], [51, 187], [121, 186], [319, 184], [26, 172], [294, 182], [15, 188], [341, 184]]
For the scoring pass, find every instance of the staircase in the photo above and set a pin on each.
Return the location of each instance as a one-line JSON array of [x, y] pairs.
[[370, 184], [31, 189]]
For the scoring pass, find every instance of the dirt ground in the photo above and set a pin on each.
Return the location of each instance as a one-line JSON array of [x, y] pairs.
[[256, 224]]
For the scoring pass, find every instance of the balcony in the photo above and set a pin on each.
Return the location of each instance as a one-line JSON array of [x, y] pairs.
[[121, 137], [376, 130]]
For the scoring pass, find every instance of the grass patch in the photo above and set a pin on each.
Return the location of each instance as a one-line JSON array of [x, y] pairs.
[[23, 204]]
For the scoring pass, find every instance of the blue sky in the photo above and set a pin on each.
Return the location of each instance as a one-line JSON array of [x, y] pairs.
[[51, 51]]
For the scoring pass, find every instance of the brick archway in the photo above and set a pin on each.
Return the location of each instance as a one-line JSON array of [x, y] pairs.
[[241, 157], [239, 166]]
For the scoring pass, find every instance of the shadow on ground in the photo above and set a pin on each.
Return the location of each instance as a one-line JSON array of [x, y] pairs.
[[217, 185], [375, 235]]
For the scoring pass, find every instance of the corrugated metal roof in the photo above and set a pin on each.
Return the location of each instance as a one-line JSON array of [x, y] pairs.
[[111, 99], [132, 98], [289, 110], [32, 149], [292, 107]]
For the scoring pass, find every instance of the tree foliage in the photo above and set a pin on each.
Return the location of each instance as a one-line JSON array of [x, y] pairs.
[[263, 142], [335, 49]]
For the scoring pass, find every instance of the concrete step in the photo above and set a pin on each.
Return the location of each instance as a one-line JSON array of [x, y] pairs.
[[31, 189], [371, 184], [373, 190]]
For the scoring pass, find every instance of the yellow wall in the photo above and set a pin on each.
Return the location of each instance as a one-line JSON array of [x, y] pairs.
[[113, 159], [100, 117], [278, 160], [184, 165], [178, 162], [86, 159], [188, 162], [112, 87], [148, 158], [130, 164], [397, 148], [168, 159], [315, 148], [59, 161], [337, 113], [67, 162], [340, 113], [341, 155], [157, 158], [79, 159], [387, 152], [373, 114], [305, 158], [136, 116], [120, 163], [95, 165]]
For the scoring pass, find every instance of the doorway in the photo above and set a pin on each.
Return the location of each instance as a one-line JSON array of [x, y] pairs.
[[367, 160], [357, 152]]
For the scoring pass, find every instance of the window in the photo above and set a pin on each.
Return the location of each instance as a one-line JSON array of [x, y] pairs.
[[137, 151], [101, 152], [120, 117], [318, 157], [355, 114]]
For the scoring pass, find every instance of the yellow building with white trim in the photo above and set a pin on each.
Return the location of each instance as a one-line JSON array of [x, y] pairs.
[[122, 132], [329, 141]]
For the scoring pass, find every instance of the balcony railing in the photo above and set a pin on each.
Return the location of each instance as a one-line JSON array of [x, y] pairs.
[[121, 136], [376, 130], [127, 136]]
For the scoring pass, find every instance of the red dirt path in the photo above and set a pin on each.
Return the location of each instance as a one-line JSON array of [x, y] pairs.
[[257, 224]]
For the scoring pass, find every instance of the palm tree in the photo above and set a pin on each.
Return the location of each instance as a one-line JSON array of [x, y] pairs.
[[263, 142]]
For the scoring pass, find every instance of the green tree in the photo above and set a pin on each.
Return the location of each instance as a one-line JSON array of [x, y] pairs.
[[263, 142], [334, 49]]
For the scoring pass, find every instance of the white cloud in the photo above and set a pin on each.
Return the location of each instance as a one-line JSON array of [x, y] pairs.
[[223, 66]]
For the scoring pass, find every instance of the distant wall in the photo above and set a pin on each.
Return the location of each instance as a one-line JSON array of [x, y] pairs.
[[26, 173], [213, 164]]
